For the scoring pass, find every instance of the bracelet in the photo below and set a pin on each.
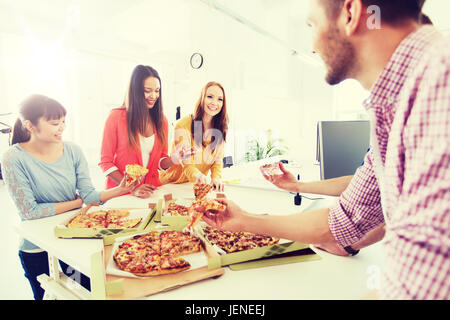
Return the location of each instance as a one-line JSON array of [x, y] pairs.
[[159, 164], [351, 251]]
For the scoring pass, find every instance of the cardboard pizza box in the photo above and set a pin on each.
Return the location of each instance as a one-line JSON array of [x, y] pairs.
[[62, 231], [196, 260], [226, 259], [282, 247], [130, 287], [167, 218]]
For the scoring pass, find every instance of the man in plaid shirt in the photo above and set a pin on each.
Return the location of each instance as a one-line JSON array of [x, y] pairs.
[[404, 183]]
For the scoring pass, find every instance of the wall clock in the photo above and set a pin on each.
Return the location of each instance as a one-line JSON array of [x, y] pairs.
[[196, 60]]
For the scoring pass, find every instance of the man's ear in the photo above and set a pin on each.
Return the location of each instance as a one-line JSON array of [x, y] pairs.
[[352, 16], [28, 125]]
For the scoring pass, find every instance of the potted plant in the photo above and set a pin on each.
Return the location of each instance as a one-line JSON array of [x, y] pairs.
[[257, 150]]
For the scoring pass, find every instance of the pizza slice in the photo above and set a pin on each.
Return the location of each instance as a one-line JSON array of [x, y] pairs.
[[124, 224], [188, 246], [173, 265], [174, 209], [199, 207], [237, 241], [134, 172], [78, 221], [209, 204], [118, 213], [114, 216], [94, 220], [97, 219], [201, 190], [175, 243], [125, 253], [194, 217], [144, 264], [271, 169]]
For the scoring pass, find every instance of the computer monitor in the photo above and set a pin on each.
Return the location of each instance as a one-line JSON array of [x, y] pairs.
[[341, 146]]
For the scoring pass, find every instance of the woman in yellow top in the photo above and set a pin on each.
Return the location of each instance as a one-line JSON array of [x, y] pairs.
[[205, 131]]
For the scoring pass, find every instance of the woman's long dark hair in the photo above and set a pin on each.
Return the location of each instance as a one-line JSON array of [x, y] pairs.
[[138, 115], [219, 121], [32, 109]]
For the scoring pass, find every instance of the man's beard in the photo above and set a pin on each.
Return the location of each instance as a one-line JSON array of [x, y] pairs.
[[339, 58]]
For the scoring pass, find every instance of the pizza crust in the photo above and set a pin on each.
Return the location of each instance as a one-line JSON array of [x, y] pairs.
[[162, 272]]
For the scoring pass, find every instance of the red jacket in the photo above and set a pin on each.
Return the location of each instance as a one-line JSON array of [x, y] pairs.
[[116, 152]]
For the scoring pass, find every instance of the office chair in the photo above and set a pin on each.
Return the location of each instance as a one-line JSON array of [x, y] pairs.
[[227, 161]]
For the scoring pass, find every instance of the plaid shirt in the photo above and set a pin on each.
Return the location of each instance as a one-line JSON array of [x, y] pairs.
[[405, 179]]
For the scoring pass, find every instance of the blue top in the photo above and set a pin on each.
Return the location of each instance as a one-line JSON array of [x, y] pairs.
[[35, 185]]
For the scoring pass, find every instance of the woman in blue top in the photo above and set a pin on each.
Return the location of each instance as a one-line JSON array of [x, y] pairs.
[[46, 176]]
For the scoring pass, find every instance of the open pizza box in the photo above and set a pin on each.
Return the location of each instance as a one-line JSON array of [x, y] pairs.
[[63, 231], [204, 265], [170, 218], [285, 251]]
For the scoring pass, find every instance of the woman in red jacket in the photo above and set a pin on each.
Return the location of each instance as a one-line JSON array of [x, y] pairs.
[[137, 133]]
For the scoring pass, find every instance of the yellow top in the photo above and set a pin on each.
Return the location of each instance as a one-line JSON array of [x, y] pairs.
[[204, 159]]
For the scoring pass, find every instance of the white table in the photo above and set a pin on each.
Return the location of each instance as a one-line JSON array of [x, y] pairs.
[[332, 277]]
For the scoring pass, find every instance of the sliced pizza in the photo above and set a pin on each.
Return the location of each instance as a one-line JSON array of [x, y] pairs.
[[176, 243], [199, 207], [174, 209], [195, 216], [201, 190], [237, 241], [110, 219], [134, 172], [125, 223], [94, 220], [173, 265], [271, 169], [156, 253], [212, 205], [118, 213]]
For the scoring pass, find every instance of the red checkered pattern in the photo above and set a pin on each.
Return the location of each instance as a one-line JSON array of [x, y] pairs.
[[410, 164]]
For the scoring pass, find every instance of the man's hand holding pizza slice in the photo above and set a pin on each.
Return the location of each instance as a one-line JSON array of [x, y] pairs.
[[229, 217]]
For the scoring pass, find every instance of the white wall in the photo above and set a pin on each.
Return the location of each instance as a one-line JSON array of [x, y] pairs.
[[266, 86]]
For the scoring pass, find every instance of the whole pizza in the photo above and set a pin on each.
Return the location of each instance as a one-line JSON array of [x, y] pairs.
[[237, 241], [156, 253]]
